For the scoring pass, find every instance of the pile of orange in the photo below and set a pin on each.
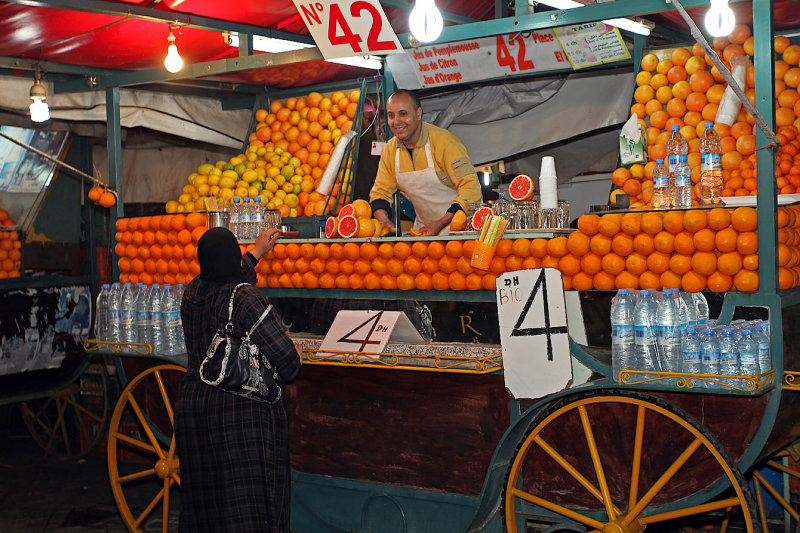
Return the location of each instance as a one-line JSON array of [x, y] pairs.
[[10, 248], [683, 88], [159, 249]]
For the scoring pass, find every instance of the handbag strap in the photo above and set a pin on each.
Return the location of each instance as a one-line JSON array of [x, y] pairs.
[[229, 325]]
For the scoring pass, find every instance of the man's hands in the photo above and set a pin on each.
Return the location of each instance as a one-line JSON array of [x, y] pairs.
[[433, 228], [383, 218], [265, 242]]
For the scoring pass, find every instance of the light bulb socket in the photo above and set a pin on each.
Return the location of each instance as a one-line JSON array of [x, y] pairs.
[[38, 92]]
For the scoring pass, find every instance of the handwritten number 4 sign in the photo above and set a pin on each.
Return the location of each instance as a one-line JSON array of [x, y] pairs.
[[533, 332], [346, 28]]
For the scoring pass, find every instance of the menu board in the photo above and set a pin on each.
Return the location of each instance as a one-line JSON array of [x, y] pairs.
[[592, 44], [24, 171]]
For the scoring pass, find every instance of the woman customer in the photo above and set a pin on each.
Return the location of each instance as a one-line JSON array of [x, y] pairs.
[[234, 452]]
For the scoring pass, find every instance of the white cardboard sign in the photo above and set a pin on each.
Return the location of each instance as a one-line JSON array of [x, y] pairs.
[[347, 28], [533, 332], [369, 331]]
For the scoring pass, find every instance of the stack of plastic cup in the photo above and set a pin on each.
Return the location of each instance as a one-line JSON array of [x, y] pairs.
[[548, 193]]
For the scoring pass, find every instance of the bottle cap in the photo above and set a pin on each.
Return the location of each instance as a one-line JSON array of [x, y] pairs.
[[675, 128], [659, 161], [708, 331], [709, 124], [745, 332], [727, 331], [691, 331]]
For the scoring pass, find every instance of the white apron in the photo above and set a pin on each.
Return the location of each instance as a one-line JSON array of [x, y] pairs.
[[431, 198]]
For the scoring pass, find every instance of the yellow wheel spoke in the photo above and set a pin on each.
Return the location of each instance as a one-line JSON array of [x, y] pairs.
[[637, 456], [785, 469], [165, 397], [143, 420], [663, 480], [83, 410], [165, 507], [762, 514], [550, 506], [688, 511], [150, 506], [570, 469], [774, 493], [598, 465], [135, 442], [137, 475]]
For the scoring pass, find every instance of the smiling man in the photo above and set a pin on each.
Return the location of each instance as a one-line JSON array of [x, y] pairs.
[[427, 164]]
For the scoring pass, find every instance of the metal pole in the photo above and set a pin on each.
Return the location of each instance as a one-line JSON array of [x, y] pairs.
[[114, 143]]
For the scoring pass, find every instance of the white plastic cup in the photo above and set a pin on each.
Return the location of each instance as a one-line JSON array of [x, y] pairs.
[[548, 192], [548, 169]]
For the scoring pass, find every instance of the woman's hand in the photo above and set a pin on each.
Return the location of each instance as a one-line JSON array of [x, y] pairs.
[[265, 242]]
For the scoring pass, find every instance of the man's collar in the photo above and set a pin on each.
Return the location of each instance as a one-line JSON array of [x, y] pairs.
[[423, 136]]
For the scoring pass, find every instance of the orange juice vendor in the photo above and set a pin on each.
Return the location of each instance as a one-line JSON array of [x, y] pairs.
[[427, 164]]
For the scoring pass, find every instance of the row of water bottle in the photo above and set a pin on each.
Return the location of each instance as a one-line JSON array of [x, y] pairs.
[[146, 314], [247, 218], [670, 332], [672, 179]]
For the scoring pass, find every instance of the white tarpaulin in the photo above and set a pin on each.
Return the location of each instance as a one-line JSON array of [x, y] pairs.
[[199, 119], [502, 120]]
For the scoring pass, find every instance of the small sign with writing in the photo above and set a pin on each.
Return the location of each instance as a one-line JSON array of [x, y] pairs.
[[533, 332], [347, 28], [369, 331], [591, 44]]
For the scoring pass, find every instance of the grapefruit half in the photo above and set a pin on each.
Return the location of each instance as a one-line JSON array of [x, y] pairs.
[[348, 226], [521, 188], [346, 210], [479, 216], [332, 227]]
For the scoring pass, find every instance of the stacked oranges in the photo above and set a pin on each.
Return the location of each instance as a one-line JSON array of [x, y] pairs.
[[682, 88], [10, 248], [159, 249]]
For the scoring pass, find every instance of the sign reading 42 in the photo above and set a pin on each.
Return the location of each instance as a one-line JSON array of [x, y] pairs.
[[346, 28]]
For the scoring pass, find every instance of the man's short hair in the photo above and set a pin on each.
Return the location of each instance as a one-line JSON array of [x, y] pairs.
[[414, 98]]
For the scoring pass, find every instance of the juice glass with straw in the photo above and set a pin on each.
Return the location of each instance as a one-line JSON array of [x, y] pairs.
[[485, 244]]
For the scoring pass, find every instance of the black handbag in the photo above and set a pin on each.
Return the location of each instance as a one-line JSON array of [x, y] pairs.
[[234, 364]]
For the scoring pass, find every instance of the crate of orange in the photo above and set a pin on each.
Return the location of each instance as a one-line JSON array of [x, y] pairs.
[[10, 247]]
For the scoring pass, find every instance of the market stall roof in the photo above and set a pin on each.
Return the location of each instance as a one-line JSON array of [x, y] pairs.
[[83, 38]]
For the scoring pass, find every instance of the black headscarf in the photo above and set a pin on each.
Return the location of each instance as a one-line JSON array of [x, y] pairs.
[[220, 257]]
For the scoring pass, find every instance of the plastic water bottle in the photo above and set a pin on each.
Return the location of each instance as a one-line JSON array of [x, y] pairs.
[[701, 307], [687, 311], [247, 219], [728, 355], [709, 355], [761, 337], [235, 217], [260, 216], [143, 314], [662, 192], [622, 344], [748, 354], [181, 339], [101, 313], [127, 316], [171, 308], [645, 340], [113, 331], [676, 147], [710, 166], [669, 331], [683, 184], [155, 336], [690, 346]]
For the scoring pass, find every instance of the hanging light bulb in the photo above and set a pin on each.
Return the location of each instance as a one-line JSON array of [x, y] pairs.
[[425, 21], [40, 111], [173, 62], [720, 19]]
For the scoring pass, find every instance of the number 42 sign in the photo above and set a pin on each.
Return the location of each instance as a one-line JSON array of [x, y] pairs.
[[347, 28]]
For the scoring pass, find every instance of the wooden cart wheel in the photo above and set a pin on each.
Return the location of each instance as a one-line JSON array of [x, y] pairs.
[[72, 421], [776, 493], [142, 463], [617, 461]]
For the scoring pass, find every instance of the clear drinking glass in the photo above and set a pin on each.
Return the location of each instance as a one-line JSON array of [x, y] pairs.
[[563, 213], [527, 215]]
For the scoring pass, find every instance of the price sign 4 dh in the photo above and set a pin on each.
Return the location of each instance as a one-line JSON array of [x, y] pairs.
[[347, 28], [533, 332]]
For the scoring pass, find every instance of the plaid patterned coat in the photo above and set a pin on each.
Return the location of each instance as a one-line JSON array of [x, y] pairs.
[[234, 452]]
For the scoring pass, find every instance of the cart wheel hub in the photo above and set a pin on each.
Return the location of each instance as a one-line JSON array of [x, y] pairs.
[[166, 467], [618, 527]]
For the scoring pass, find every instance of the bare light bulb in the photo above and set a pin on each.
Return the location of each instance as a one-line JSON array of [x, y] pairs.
[[40, 111], [425, 21], [720, 19], [173, 62]]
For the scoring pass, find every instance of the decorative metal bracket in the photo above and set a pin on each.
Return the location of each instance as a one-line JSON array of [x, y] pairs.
[[719, 382], [398, 361], [91, 345]]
